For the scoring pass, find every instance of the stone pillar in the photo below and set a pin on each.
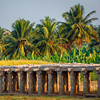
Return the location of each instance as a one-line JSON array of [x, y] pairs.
[[77, 80], [65, 79], [55, 82], [61, 83], [22, 81], [15, 81], [50, 88], [1, 83], [5, 81], [10, 89], [58, 82], [86, 82], [30, 77], [45, 81], [98, 81], [69, 88], [40, 83], [18, 80], [27, 85], [73, 83], [34, 81]]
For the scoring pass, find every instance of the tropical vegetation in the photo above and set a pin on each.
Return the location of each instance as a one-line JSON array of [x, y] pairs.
[[75, 40]]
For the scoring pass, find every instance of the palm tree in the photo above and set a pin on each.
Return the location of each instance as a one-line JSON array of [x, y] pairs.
[[77, 28], [1, 40], [18, 43], [94, 42], [46, 39]]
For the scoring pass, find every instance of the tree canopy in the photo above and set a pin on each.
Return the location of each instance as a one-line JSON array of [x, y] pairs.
[[49, 37]]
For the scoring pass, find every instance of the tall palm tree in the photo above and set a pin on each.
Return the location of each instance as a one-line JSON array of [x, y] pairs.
[[94, 42], [1, 40], [77, 28], [46, 37], [18, 43]]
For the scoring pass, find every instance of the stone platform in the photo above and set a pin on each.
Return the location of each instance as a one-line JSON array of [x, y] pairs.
[[62, 79]]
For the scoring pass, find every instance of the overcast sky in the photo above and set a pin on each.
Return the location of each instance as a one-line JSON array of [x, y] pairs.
[[34, 10]]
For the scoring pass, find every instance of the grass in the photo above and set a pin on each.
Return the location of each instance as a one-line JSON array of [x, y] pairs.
[[44, 98], [20, 62]]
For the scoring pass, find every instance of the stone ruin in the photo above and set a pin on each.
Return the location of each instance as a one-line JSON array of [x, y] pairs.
[[62, 79]]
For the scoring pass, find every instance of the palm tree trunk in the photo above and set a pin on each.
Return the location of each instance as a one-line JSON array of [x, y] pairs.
[[79, 46], [79, 50], [49, 52]]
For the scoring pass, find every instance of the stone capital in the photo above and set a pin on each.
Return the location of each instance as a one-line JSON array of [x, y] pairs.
[[83, 71], [30, 72], [1, 73], [59, 72], [49, 72], [69, 69], [97, 71], [71, 72], [39, 72], [9, 72]]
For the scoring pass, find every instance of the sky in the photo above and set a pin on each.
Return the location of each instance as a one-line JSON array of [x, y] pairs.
[[35, 10]]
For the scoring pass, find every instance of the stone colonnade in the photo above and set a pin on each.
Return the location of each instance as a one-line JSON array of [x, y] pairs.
[[49, 79]]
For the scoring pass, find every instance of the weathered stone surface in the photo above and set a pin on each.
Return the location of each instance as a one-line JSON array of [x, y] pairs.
[[30, 77], [50, 82], [23, 82], [98, 81], [1, 81], [77, 80], [86, 81], [15, 80], [73, 83], [10, 88], [40, 83], [61, 83], [52, 78]]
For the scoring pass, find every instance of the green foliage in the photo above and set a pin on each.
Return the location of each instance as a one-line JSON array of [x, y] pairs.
[[76, 28], [18, 43], [49, 41], [46, 37], [85, 56], [93, 76]]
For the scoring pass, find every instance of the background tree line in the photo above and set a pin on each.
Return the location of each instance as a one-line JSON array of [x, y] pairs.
[[75, 40]]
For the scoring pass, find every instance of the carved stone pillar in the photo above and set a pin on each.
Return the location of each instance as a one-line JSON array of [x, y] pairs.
[[18, 80], [77, 80], [61, 83], [73, 83], [66, 81], [45, 82], [5, 81], [34, 81], [10, 87], [40, 83], [69, 88], [15, 81], [86, 82], [50, 88], [30, 77], [98, 81], [54, 75], [22, 81], [1, 83]]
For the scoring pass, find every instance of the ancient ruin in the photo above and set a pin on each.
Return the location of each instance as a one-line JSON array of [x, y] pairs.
[[60, 79]]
